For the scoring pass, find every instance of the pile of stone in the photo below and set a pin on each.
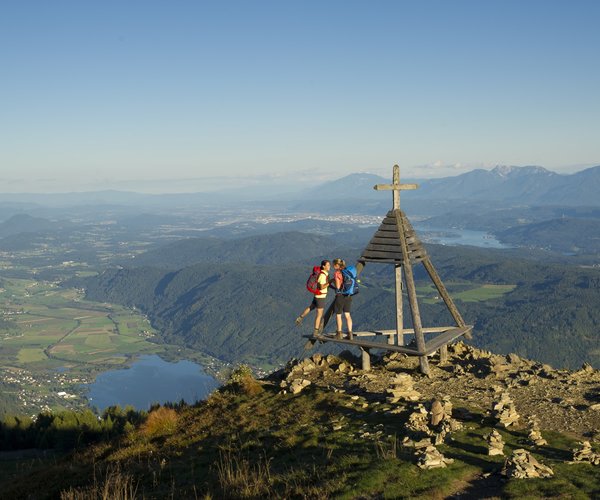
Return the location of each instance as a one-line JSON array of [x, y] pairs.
[[504, 411], [441, 421], [401, 389], [586, 454], [299, 372], [523, 465], [498, 367], [418, 420], [535, 436], [430, 457], [495, 443], [421, 443], [295, 386]]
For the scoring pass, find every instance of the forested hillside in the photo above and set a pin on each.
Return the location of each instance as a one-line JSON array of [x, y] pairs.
[[271, 249], [245, 312]]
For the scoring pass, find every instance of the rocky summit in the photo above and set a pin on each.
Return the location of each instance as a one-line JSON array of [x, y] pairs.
[[510, 389], [481, 425]]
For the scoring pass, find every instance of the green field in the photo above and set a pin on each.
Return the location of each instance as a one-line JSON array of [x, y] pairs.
[[429, 294], [56, 341], [55, 324]]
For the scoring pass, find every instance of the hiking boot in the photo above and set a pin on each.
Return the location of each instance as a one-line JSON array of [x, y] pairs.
[[338, 335], [350, 336], [299, 320]]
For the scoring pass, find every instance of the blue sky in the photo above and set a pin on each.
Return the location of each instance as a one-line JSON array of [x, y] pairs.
[[177, 95]]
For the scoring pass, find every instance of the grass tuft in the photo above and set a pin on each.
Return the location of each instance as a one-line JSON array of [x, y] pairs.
[[160, 422]]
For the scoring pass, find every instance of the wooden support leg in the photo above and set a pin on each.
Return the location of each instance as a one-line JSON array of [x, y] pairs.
[[366, 359], [309, 344], [443, 355], [412, 295]]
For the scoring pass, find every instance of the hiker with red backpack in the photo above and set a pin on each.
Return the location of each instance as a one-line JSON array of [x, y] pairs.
[[346, 285], [317, 284]]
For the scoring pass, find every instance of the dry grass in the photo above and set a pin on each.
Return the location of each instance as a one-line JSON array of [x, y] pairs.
[[160, 422], [115, 486], [242, 381], [244, 476]]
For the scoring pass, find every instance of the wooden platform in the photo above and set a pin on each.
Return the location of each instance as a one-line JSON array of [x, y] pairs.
[[446, 336]]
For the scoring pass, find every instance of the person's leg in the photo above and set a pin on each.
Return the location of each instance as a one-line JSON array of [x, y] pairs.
[[337, 309], [348, 323], [338, 322], [304, 313], [318, 318], [347, 309]]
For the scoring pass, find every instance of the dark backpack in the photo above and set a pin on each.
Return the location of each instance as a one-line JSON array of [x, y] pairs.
[[349, 281], [312, 283]]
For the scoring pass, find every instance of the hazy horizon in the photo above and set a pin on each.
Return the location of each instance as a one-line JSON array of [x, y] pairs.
[[302, 180]]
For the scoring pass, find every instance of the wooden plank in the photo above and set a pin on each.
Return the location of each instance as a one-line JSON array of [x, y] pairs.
[[393, 241], [391, 254], [435, 343], [383, 255], [394, 247], [386, 239], [380, 260], [405, 331], [411, 351]]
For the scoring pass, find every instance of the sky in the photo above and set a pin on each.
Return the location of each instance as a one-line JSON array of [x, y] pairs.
[[184, 95]]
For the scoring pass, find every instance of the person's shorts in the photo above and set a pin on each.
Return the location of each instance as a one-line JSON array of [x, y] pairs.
[[343, 303], [319, 303]]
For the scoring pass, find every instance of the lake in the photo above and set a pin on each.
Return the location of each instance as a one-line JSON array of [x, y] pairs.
[[150, 380], [458, 237]]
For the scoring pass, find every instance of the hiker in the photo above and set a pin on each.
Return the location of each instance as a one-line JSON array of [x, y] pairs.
[[320, 291], [344, 282]]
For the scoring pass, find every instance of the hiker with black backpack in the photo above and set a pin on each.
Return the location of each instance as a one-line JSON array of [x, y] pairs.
[[317, 284], [346, 285]]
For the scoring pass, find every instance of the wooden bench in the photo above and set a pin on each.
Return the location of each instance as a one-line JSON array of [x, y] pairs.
[[446, 335]]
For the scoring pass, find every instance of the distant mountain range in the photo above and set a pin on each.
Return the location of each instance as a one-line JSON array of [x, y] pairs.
[[529, 185]]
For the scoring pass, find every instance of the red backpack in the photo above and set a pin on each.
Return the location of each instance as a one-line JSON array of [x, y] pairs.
[[312, 283]]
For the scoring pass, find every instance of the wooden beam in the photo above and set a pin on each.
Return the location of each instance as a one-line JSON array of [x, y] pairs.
[[444, 294], [399, 308], [366, 359], [412, 296], [391, 187], [435, 343], [411, 351]]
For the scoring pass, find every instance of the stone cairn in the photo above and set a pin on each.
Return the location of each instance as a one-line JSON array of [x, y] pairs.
[[441, 421], [429, 457], [423, 425], [495, 443], [523, 465], [300, 372], [535, 436], [586, 454], [401, 389], [504, 411]]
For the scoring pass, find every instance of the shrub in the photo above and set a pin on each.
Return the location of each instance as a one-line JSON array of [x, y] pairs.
[[242, 381], [160, 422]]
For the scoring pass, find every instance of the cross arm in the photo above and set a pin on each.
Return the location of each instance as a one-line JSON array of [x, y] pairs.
[[397, 187]]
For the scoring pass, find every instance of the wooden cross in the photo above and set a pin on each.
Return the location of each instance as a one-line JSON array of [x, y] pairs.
[[395, 186]]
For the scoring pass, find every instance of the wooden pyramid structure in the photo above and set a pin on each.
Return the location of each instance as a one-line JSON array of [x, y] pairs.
[[395, 242]]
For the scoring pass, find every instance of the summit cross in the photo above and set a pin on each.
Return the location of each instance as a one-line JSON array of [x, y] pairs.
[[395, 186]]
